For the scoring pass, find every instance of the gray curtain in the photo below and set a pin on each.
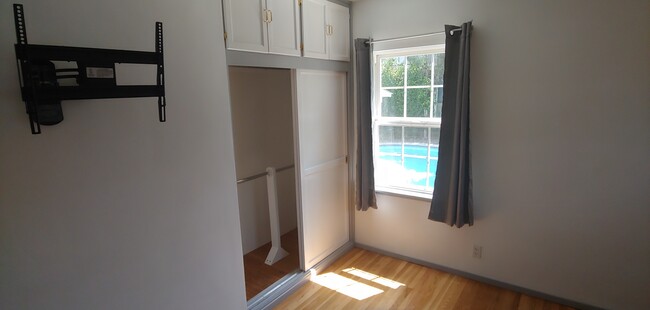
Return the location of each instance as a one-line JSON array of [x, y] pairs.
[[452, 194], [365, 186]]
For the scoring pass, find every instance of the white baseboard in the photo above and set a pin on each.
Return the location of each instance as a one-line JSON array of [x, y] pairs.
[[515, 288]]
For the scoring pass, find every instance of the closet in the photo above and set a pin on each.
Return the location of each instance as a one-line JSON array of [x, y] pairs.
[[262, 117], [293, 119]]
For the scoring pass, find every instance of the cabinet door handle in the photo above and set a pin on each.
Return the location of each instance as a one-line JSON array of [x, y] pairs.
[[331, 30], [265, 16], [270, 15]]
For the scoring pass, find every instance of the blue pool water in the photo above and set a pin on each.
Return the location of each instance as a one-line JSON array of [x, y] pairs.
[[412, 163]]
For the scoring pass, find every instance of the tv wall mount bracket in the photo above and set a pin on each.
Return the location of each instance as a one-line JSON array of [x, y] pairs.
[[94, 76]]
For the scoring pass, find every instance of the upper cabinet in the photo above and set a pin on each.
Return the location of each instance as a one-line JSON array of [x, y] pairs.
[[273, 26], [326, 30], [265, 26]]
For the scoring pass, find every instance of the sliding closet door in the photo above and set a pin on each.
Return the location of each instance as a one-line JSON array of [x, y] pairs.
[[321, 152]]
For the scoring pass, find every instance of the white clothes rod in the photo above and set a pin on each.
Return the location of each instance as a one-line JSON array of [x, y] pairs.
[[371, 41], [259, 175]]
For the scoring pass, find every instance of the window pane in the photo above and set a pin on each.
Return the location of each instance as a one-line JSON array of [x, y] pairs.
[[438, 74], [433, 157], [435, 139], [418, 101], [433, 165], [418, 171], [416, 136], [415, 150], [392, 102], [390, 135], [419, 70], [437, 101], [411, 170], [393, 159], [392, 71]]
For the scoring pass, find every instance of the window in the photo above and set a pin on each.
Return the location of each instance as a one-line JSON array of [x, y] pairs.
[[406, 125]]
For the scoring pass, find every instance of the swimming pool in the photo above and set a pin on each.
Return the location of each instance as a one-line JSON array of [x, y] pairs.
[[412, 169]]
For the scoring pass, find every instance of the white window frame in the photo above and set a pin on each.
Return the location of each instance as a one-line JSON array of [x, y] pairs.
[[425, 122]]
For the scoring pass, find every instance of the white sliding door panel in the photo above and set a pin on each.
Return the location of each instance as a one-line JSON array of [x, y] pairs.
[[284, 27], [325, 222], [245, 26], [321, 139], [313, 29]]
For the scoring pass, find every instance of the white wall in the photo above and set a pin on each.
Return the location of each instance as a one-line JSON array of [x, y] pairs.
[[112, 209], [263, 137], [561, 141]]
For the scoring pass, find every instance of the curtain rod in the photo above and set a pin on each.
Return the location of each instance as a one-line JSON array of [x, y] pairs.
[[371, 41]]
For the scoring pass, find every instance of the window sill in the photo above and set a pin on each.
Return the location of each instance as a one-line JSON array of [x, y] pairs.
[[403, 193]]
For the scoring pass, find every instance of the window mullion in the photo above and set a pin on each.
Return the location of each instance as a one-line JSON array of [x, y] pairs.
[[403, 159], [377, 94], [406, 64], [411, 121], [433, 66], [426, 174]]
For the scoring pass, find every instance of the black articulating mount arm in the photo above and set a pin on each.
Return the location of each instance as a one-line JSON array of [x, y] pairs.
[[93, 78]]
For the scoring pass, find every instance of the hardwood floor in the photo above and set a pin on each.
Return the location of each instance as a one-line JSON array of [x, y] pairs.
[[259, 275], [366, 280]]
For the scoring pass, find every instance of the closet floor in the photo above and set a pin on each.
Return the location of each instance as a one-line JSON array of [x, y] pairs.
[[259, 275]]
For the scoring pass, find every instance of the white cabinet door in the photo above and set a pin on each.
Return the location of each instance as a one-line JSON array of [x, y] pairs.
[[338, 18], [245, 25], [284, 27], [326, 30], [314, 28], [322, 174]]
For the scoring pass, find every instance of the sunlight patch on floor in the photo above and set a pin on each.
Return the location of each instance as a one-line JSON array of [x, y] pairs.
[[373, 277], [352, 288], [346, 286]]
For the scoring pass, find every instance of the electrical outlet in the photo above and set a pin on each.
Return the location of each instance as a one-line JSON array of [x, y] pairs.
[[478, 251]]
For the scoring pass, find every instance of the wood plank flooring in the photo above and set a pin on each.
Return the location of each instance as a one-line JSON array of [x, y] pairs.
[[366, 280], [259, 275]]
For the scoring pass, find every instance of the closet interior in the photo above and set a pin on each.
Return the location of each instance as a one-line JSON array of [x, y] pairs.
[[261, 107]]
